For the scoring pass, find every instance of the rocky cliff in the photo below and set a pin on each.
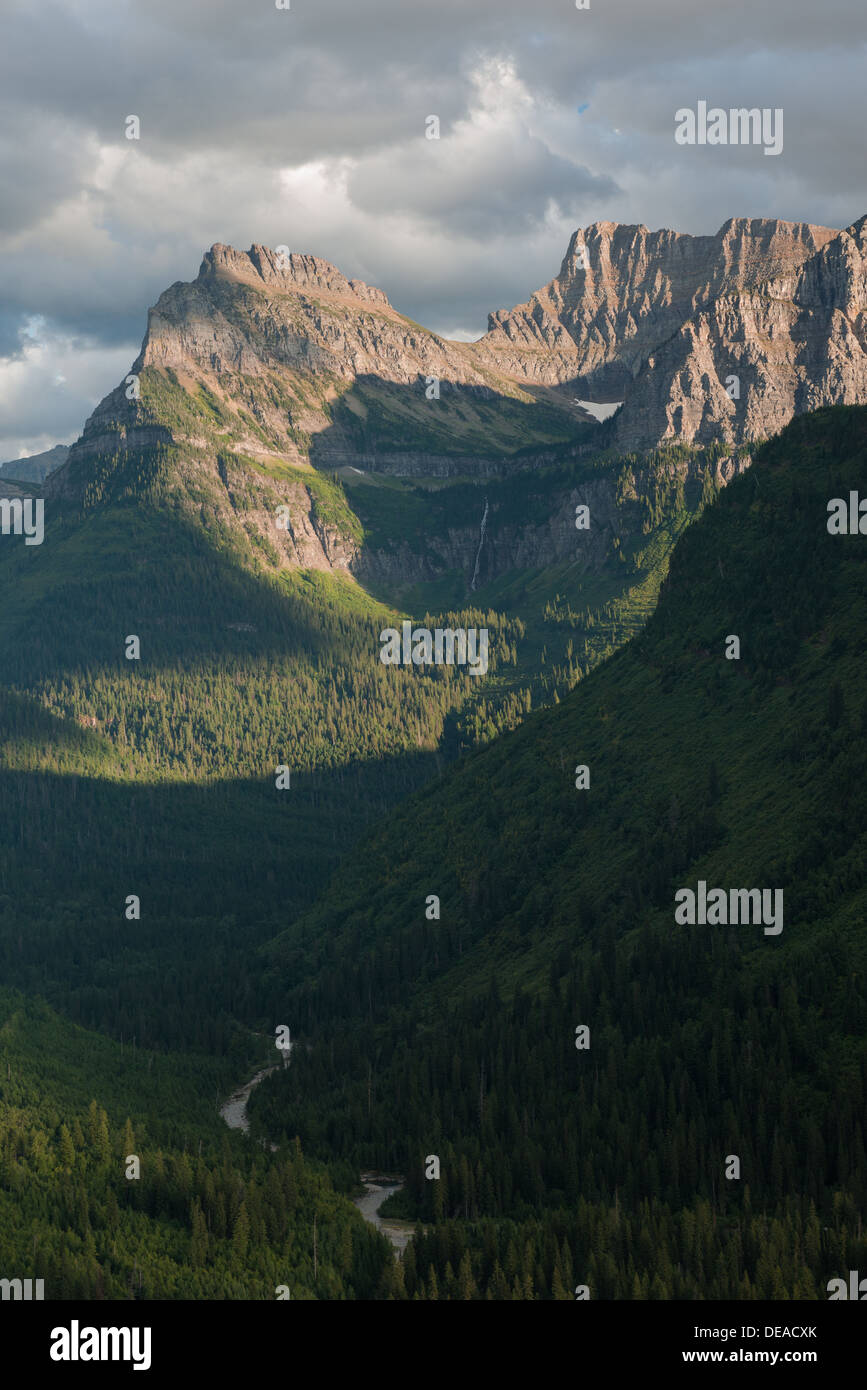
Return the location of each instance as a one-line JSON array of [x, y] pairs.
[[283, 357], [269, 370], [720, 338], [546, 535]]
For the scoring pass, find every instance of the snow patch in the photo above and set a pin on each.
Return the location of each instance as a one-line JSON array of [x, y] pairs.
[[599, 410]]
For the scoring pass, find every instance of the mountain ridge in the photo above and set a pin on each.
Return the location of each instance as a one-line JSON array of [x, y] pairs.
[[35, 468], [676, 324], [706, 339]]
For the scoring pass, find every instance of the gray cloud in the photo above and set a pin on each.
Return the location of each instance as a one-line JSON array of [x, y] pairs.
[[306, 127]]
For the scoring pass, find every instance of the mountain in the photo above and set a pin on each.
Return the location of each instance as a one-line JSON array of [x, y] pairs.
[[258, 649], [453, 1032], [215, 468], [282, 410], [36, 467], [623, 290], [269, 362], [775, 311], [269, 488], [259, 643], [263, 378], [282, 358]]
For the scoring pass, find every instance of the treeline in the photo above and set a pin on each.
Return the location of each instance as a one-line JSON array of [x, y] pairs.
[[649, 1254]]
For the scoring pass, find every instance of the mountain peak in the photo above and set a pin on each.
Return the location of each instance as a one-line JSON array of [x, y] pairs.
[[284, 270], [668, 322], [276, 353]]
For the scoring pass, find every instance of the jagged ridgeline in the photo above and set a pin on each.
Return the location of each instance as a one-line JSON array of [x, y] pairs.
[[455, 1034], [704, 338]]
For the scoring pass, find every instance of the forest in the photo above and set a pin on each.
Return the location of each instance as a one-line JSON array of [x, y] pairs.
[[454, 1035]]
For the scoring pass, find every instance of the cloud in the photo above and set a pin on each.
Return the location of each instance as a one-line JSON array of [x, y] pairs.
[[491, 171], [305, 127], [50, 386]]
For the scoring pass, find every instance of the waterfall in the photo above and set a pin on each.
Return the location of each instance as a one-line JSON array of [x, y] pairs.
[[481, 543]]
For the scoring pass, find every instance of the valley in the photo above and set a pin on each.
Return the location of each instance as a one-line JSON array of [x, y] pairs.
[[278, 499]]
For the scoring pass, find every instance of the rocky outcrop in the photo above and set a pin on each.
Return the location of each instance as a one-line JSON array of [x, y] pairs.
[[284, 270], [254, 313], [280, 358], [623, 290], [705, 339]]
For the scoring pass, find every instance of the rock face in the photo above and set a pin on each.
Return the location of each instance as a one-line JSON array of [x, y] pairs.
[[37, 466], [525, 544], [283, 356], [251, 314], [719, 338], [270, 368]]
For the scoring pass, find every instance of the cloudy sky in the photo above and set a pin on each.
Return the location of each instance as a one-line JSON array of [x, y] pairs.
[[305, 127]]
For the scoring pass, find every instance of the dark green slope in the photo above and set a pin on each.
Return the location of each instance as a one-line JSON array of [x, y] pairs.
[[457, 1037], [156, 777], [579, 595], [209, 1215]]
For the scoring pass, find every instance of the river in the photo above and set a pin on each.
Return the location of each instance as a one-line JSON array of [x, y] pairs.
[[377, 1186], [234, 1110]]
